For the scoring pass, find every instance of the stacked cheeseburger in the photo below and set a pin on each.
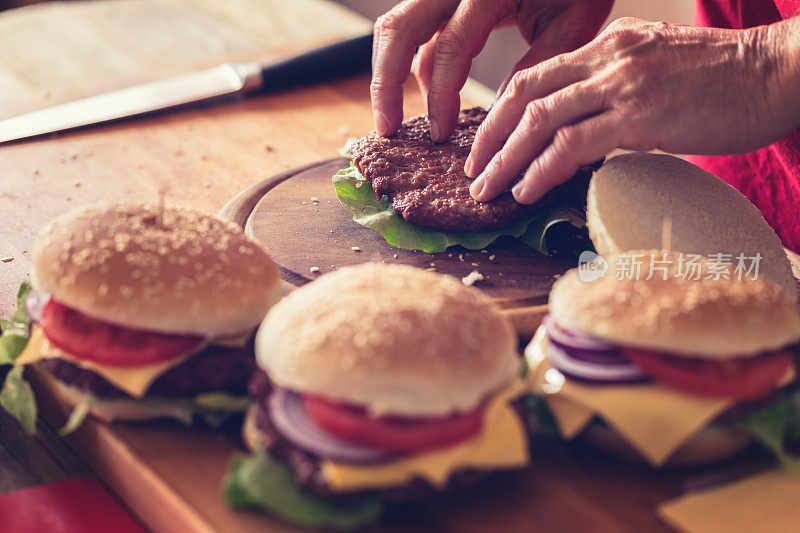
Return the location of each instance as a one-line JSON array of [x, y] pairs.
[[142, 312], [378, 380], [667, 368]]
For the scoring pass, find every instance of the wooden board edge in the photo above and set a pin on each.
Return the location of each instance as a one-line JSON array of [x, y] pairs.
[[240, 207], [116, 464], [526, 314]]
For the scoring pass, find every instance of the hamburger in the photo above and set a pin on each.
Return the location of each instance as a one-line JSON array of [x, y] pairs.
[[140, 312], [378, 383], [666, 369], [416, 194], [631, 195]]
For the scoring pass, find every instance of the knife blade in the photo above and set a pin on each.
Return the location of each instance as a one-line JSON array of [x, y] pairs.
[[329, 62]]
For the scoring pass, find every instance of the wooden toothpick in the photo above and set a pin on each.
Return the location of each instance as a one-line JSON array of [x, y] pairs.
[[666, 234], [162, 200]]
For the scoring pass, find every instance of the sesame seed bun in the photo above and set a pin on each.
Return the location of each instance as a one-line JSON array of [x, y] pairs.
[[631, 195], [713, 319], [176, 271], [395, 339]]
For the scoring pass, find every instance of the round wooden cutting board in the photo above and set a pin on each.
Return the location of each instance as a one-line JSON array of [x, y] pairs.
[[298, 217]]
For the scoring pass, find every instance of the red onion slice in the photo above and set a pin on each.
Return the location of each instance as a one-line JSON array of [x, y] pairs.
[[593, 372], [573, 338], [582, 357], [34, 304], [291, 420], [601, 357]]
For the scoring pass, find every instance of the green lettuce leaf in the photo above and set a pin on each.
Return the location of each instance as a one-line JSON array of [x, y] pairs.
[[18, 400], [214, 408], [537, 408], [78, 415], [222, 401], [260, 481], [16, 395], [356, 195], [776, 425], [14, 336]]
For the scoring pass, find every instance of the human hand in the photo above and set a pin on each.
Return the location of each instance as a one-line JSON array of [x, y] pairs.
[[639, 85], [451, 33]]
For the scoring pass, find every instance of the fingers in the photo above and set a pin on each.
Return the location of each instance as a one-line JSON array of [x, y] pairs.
[[573, 146], [423, 67], [540, 121], [546, 46], [526, 86], [460, 41], [397, 35]]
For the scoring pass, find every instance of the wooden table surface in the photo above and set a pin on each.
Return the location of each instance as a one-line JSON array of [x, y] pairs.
[[205, 155], [55, 52], [51, 53]]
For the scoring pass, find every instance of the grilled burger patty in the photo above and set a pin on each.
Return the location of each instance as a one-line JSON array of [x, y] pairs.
[[306, 466], [426, 183], [215, 368]]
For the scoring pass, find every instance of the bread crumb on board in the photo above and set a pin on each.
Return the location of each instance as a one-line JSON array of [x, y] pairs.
[[355, 248], [472, 278], [7, 259], [314, 270]]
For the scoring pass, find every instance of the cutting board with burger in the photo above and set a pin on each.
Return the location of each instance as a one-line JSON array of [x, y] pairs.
[[405, 200], [390, 397]]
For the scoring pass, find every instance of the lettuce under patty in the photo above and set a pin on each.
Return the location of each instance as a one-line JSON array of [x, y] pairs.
[[775, 426], [213, 408], [356, 195], [16, 394], [260, 481]]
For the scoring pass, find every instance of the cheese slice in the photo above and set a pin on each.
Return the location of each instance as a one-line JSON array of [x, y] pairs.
[[133, 380], [764, 502], [502, 443], [656, 420]]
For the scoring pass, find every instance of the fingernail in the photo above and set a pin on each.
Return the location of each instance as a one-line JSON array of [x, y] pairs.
[[517, 190], [468, 166], [381, 124], [434, 130], [476, 188]]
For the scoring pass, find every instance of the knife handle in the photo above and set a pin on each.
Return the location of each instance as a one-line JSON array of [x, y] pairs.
[[333, 61]]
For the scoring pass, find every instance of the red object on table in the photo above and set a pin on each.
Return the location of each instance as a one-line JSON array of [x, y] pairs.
[[769, 177], [69, 506]]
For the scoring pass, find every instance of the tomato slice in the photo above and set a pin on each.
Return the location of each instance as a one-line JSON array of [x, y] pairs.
[[742, 379], [391, 434], [94, 340]]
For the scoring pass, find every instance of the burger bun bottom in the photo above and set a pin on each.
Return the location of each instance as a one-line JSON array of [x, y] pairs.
[[712, 444], [113, 410], [250, 433]]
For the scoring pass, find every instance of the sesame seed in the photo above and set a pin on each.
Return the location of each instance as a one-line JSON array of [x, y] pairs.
[[314, 270], [355, 248]]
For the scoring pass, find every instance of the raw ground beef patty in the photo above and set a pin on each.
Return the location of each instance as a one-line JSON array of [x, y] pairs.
[[426, 183]]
